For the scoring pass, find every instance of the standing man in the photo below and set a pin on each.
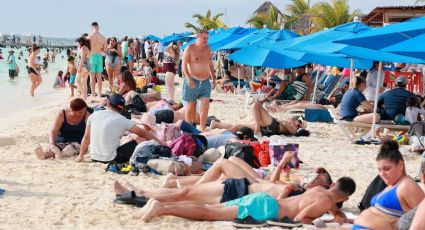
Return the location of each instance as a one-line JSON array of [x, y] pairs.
[[98, 46], [197, 67], [137, 50]]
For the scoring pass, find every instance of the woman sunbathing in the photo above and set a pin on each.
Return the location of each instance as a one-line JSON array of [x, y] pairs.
[[266, 125], [67, 131], [401, 194]]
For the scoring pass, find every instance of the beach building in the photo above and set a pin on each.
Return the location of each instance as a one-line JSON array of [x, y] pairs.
[[384, 15]]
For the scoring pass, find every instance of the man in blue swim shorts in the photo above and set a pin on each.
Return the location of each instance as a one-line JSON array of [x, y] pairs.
[[197, 69], [98, 46], [259, 206]]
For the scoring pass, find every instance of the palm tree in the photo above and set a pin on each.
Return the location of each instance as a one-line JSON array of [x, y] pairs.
[[298, 17], [327, 15], [206, 22], [272, 20]]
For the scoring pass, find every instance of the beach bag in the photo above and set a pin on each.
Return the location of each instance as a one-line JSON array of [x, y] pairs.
[[138, 104], [148, 152], [417, 129], [186, 144], [277, 151], [261, 151], [169, 132], [242, 151], [375, 187]]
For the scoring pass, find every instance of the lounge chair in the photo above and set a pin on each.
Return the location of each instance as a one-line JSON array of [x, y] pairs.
[[350, 128]]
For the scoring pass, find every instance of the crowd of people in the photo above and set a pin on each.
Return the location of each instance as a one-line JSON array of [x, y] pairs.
[[133, 114]]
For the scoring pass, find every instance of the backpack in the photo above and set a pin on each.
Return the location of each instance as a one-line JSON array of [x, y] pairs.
[[189, 145], [242, 151], [138, 104], [375, 187], [261, 151], [417, 129]]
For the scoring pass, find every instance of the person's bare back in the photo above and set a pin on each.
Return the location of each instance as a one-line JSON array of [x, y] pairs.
[[199, 62], [97, 43]]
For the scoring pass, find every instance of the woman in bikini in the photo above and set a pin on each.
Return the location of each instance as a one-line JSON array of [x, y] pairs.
[[171, 57], [401, 194], [130, 55], [128, 83], [33, 69], [83, 66], [113, 61], [266, 125]]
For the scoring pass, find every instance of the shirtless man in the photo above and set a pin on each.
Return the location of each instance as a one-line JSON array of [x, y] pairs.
[[260, 206], [197, 68], [98, 48]]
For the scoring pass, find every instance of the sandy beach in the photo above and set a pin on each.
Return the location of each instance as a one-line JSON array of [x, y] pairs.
[[62, 194]]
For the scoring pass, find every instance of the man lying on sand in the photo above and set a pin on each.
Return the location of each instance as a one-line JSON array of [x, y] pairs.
[[260, 206], [228, 180]]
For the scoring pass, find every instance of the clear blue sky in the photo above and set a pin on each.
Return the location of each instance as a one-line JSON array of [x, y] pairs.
[[70, 18]]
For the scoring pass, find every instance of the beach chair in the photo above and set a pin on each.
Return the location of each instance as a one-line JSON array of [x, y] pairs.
[[351, 129]]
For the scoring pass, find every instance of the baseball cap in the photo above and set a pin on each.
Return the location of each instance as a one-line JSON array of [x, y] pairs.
[[116, 100], [245, 132], [401, 80]]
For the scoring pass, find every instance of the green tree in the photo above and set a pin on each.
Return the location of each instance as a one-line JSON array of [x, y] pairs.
[[298, 16], [273, 19], [207, 22], [327, 15]]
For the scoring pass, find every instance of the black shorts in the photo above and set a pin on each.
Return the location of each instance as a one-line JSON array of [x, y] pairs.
[[347, 118], [12, 73], [234, 189], [124, 153], [166, 116]]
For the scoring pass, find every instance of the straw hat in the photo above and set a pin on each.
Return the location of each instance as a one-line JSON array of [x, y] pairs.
[[149, 120]]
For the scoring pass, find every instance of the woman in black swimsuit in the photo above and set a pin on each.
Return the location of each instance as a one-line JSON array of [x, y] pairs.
[[266, 125], [33, 72], [67, 131]]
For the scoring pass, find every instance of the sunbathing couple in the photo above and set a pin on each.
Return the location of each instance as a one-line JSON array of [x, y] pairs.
[[210, 198]]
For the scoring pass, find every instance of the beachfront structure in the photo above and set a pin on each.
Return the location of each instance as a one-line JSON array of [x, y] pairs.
[[381, 16], [264, 9]]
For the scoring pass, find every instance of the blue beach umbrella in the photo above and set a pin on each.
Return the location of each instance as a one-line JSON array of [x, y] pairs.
[[222, 38], [255, 55], [323, 42], [151, 37], [414, 47], [176, 37], [247, 39], [388, 35]]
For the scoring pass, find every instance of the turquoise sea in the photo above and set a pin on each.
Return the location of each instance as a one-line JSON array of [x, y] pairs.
[[14, 94]]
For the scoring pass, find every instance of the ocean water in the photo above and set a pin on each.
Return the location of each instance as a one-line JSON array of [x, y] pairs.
[[14, 94]]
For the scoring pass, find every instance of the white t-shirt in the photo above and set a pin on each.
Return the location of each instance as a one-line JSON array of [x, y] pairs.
[[147, 47], [371, 84], [412, 113], [106, 129], [147, 70]]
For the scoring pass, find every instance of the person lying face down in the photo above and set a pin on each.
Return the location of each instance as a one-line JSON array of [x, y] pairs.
[[260, 206], [213, 187]]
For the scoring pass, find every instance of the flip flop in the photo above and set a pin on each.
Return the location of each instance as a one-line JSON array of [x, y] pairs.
[[284, 222], [130, 198], [248, 222]]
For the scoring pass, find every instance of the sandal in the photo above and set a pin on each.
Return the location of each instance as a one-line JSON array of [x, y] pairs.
[[130, 198], [284, 222], [248, 222]]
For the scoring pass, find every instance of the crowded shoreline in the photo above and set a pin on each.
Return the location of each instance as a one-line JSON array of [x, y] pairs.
[[114, 151]]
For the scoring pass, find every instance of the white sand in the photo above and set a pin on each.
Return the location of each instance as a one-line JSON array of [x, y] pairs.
[[62, 194]]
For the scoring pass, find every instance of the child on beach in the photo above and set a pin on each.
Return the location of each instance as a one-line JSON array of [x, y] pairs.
[[147, 69], [45, 65], [413, 110], [73, 73], [59, 82]]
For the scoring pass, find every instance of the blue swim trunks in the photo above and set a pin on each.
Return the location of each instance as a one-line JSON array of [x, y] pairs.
[[202, 90], [72, 79], [259, 206], [96, 63]]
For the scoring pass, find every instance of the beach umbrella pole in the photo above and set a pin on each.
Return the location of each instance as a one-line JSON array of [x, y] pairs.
[[375, 106], [351, 72], [316, 83], [239, 78]]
